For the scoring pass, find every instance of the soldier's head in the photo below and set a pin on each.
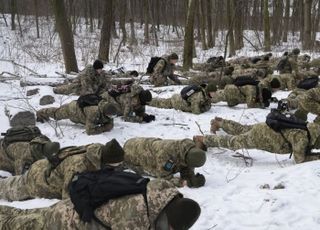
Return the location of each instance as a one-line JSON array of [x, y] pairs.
[[112, 153], [145, 96], [306, 58], [134, 73], [228, 70], [44, 148], [98, 66], [180, 213], [173, 58], [296, 51], [275, 84], [195, 157], [285, 54], [211, 89]]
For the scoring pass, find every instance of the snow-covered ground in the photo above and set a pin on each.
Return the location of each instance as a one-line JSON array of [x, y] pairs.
[[235, 195]]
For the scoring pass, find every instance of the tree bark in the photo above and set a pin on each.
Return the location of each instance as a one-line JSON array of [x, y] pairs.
[[189, 37], [230, 22], [307, 43], [133, 39], [123, 11], [202, 24], [13, 8], [104, 47], [286, 22], [209, 25], [146, 22], [266, 26], [65, 35]]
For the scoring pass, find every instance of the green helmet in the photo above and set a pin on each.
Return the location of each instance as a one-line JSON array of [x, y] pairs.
[[296, 51], [195, 157]]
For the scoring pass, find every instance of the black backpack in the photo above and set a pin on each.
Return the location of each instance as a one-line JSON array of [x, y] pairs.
[[20, 134], [88, 100], [279, 121], [245, 80], [188, 91], [308, 83], [89, 190], [152, 64]]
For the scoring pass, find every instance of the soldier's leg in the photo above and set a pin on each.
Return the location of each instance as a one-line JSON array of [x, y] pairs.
[[60, 113], [218, 97], [164, 103], [14, 188], [309, 105], [14, 218], [229, 126], [64, 89]]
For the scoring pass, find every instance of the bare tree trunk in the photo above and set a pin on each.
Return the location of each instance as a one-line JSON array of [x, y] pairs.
[[302, 18], [230, 21], [113, 28], [65, 34], [106, 31], [37, 17], [154, 29], [189, 37], [209, 24], [13, 8], [91, 16], [123, 11], [266, 26], [133, 39], [307, 43], [286, 21], [146, 21], [238, 23], [316, 22], [202, 24]]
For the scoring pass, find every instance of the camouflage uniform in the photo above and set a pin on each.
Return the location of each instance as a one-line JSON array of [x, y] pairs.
[[260, 136], [91, 116], [294, 97], [148, 156], [197, 103], [45, 180], [88, 82], [287, 81], [19, 156], [127, 212], [128, 104], [309, 102], [235, 95], [161, 72]]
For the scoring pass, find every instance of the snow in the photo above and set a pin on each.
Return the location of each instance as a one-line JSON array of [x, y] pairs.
[[233, 197]]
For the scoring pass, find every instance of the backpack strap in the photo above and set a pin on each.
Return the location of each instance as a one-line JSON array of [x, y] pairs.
[[144, 194]]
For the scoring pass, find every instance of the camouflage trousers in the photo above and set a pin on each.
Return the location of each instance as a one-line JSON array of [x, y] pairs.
[[294, 97], [159, 80], [72, 88], [29, 185], [164, 103], [308, 105]]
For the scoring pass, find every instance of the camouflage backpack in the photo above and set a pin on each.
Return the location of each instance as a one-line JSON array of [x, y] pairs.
[[152, 64], [20, 134], [66, 152]]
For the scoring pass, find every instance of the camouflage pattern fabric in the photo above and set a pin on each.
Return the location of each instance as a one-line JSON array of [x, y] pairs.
[[197, 103], [161, 72], [19, 156], [128, 212], [234, 95], [91, 116], [43, 180], [148, 156], [128, 104], [309, 102], [88, 82], [260, 136]]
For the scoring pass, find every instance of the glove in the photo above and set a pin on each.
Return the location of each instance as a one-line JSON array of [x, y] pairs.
[[196, 181], [274, 99], [148, 118]]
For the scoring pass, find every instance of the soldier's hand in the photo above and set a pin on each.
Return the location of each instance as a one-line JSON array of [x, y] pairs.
[[196, 181], [149, 118], [184, 183]]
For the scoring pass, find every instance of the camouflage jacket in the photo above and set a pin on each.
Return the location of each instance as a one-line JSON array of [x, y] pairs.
[[128, 103], [92, 82], [19, 156], [148, 156], [197, 103], [128, 212], [91, 116], [50, 182], [163, 68]]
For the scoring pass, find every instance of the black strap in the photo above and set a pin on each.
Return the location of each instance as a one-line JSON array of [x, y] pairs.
[[146, 201], [100, 222]]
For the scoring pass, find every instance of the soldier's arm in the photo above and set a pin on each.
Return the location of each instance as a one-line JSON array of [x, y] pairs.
[[86, 85], [196, 101], [251, 97]]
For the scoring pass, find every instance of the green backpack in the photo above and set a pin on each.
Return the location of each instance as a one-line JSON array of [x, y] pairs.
[[20, 134]]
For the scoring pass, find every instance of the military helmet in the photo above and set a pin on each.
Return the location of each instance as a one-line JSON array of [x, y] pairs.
[[112, 152], [97, 64], [195, 157], [173, 56]]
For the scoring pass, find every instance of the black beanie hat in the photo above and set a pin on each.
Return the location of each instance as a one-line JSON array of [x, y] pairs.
[[173, 56], [112, 152], [134, 73], [97, 64], [145, 96], [275, 83], [182, 213]]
